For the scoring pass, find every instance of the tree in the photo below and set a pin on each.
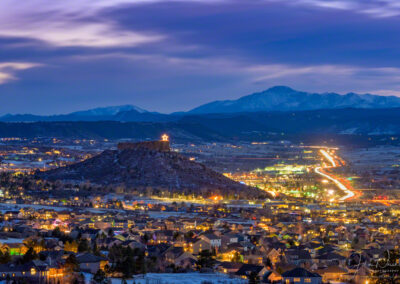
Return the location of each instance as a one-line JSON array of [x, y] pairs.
[[268, 263], [5, 257], [56, 232], [237, 257], [176, 235], [100, 278], [253, 278], [354, 242], [205, 259], [83, 246], [29, 255], [96, 250], [71, 246], [78, 279], [71, 264], [128, 261], [145, 238], [189, 234]]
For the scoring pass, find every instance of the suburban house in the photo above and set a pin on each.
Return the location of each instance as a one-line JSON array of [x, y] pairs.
[[300, 276], [90, 262]]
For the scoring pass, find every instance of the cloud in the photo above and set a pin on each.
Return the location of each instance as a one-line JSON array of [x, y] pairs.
[[341, 5], [329, 78], [81, 23], [331, 72], [319, 77], [378, 9], [75, 23], [8, 70], [68, 24], [386, 92], [322, 77], [274, 71]]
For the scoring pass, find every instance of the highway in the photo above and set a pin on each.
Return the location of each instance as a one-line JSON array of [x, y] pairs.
[[347, 189]]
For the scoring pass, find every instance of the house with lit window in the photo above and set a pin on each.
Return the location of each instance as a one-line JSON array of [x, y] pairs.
[[14, 248], [297, 256], [90, 262], [228, 267], [173, 253], [228, 239], [35, 271], [213, 239], [333, 273], [10, 215], [200, 246], [300, 276], [249, 270]]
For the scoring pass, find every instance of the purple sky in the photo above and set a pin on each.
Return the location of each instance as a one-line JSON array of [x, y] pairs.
[[62, 56]]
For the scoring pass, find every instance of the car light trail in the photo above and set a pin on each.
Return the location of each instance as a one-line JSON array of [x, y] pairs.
[[328, 157], [320, 170], [341, 186]]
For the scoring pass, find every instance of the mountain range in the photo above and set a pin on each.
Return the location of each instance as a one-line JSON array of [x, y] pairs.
[[115, 113], [354, 117], [279, 98]]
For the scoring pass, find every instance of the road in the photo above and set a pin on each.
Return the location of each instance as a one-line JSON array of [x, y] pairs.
[[340, 183]]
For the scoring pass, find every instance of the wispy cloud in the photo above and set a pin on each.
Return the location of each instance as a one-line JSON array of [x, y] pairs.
[[75, 23], [336, 72], [379, 8], [386, 92], [321, 77], [274, 71], [68, 23], [318, 78], [79, 23], [9, 69], [334, 4]]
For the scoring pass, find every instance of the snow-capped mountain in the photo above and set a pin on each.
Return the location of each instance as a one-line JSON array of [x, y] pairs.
[[101, 113], [281, 98], [105, 111]]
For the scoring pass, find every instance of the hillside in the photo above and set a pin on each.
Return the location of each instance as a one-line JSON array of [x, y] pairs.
[[107, 130], [138, 169], [224, 127], [328, 121]]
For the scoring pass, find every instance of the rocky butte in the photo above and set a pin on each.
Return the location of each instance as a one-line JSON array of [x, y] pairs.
[[161, 146], [150, 166]]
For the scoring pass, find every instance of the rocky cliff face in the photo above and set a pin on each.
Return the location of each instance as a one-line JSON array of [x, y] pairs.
[[162, 146], [141, 168]]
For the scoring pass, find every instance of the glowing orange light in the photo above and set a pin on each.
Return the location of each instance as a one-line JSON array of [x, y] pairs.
[[164, 137], [216, 197]]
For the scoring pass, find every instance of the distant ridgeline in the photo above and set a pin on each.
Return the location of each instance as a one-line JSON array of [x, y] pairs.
[[162, 146]]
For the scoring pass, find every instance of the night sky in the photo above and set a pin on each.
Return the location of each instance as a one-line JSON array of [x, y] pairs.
[[62, 56]]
